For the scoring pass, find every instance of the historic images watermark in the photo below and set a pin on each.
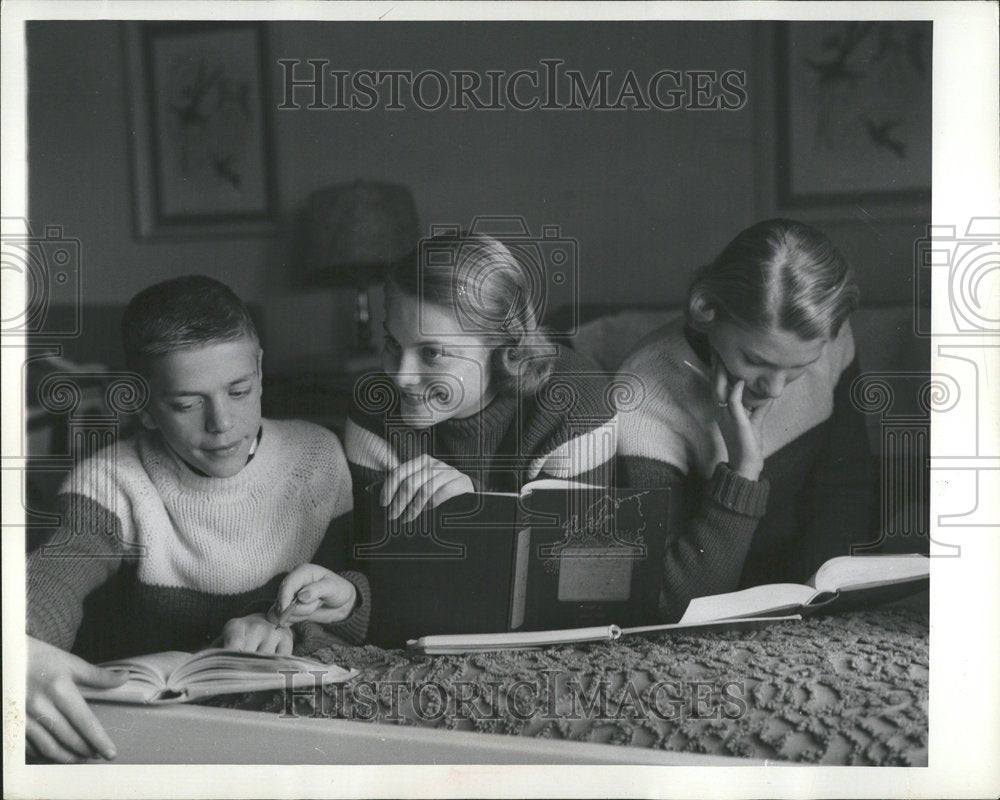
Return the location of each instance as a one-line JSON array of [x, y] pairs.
[[313, 85], [549, 696]]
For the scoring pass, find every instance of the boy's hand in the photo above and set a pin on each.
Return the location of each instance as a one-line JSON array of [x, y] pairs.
[[742, 428], [255, 633], [60, 725], [319, 595], [419, 483]]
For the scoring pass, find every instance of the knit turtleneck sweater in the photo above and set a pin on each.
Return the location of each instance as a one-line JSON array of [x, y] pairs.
[[565, 430], [813, 498], [188, 552]]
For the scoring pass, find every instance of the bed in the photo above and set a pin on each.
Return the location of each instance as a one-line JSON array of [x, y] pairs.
[[843, 689]]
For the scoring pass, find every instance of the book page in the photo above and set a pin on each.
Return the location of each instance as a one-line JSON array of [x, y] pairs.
[[224, 666], [153, 668], [135, 692], [742, 623], [858, 572], [555, 483], [755, 601], [267, 672]]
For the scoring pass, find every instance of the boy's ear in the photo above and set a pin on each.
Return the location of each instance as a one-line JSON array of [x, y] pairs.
[[147, 420], [700, 311], [260, 367]]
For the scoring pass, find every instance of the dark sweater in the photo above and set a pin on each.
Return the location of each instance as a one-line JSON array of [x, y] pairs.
[[565, 430], [813, 498]]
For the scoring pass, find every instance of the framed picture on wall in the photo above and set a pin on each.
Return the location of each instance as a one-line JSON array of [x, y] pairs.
[[853, 103], [200, 138]]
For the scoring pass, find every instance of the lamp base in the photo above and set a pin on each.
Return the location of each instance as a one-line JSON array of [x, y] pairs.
[[362, 322], [361, 363], [363, 355]]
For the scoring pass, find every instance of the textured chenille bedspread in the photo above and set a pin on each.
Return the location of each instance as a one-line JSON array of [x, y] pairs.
[[843, 689]]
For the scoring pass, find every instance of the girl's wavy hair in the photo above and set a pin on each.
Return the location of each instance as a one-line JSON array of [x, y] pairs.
[[489, 290], [779, 274]]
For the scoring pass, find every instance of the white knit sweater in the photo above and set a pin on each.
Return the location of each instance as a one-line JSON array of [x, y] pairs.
[[198, 550]]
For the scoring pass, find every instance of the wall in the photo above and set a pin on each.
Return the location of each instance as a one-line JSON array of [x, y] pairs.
[[648, 195]]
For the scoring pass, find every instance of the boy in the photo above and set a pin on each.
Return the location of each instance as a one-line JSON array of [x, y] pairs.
[[198, 517]]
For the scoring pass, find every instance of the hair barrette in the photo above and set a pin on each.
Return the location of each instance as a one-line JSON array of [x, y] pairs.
[[511, 312]]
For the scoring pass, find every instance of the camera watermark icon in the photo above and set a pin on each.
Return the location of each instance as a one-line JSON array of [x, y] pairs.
[[49, 266], [548, 275], [965, 268], [77, 418], [972, 266]]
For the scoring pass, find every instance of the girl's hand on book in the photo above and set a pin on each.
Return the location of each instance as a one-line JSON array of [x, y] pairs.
[[742, 428], [60, 725], [422, 482], [311, 592], [255, 633]]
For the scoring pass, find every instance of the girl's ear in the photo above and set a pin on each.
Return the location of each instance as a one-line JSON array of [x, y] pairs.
[[701, 313], [147, 420], [507, 358]]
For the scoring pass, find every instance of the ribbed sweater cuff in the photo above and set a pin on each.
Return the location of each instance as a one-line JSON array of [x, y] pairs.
[[736, 493], [354, 629], [49, 623]]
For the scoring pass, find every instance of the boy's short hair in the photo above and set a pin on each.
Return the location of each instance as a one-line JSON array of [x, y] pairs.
[[181, 313]]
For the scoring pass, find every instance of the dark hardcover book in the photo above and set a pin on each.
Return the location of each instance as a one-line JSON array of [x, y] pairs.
[[556, 555]]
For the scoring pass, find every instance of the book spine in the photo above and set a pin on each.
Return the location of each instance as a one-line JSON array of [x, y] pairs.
[[519, 587]]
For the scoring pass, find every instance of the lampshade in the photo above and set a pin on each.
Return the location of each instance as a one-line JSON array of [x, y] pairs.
[[353, 231]]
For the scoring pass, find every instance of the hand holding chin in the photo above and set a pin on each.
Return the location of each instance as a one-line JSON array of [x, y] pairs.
[[742, 427]]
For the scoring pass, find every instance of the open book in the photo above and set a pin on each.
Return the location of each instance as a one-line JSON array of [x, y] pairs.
[[555, 555], [175, 677], [841, 584]]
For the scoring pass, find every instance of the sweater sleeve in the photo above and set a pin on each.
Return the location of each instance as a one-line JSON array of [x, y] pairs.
[[369, 457], [709, 529], [573, 416], [837, 497], [334, 551], [334, 554], [85, 552], [711, 519], [595, 470]]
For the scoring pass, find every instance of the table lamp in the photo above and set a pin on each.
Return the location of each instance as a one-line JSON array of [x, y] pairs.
[[352, 232]]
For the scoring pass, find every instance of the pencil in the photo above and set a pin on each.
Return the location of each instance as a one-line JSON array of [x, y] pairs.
[[699, 372], [287, 612]]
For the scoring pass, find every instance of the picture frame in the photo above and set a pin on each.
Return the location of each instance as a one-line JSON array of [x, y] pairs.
[[200, 136], [853, 113]]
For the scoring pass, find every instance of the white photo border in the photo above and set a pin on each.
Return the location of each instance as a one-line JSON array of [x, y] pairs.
[[965, 613]]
